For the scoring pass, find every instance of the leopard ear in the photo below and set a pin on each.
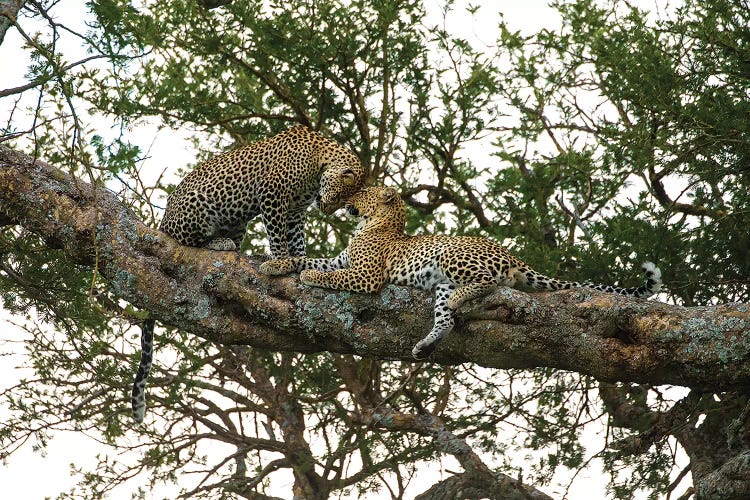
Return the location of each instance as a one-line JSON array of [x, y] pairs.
[[388, 196], [349, 177]]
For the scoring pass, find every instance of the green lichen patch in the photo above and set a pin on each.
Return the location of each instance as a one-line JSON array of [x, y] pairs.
[[212, 280], [384, 420], [122, 282], [394, 297], [127, 226], [333, 314], [726, 339], [309, 314], [202, 309]]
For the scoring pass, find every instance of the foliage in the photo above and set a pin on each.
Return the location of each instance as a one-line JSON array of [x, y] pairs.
[[618, 137]]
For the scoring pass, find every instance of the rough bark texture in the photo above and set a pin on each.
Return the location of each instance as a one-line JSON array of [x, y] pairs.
[[9, 10], [220, 296]]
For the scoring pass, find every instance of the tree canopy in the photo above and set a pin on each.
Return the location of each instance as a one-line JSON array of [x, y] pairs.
[[616, 136]]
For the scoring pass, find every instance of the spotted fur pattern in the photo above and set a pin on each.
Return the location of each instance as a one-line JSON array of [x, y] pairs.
[[277, 178], [138, 395], [458, 268]]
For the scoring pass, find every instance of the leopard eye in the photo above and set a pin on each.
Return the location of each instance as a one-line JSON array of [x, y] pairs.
[[348, 171]]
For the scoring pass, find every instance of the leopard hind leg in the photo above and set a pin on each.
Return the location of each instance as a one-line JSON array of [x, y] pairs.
[[444, 322], [480, 285]]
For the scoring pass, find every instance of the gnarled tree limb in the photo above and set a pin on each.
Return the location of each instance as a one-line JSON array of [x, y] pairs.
[[478, 481], [8, 14], [220, 296]]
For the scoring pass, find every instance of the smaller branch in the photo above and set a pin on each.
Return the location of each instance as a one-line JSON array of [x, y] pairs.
[[653, 426], [688, 493], [677, 481], [276, 86], [243, 487], [660, 193], [573, 215], [491, 484], [41, 81], [72, 411]]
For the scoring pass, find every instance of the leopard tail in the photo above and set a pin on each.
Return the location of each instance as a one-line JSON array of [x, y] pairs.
[[138, 400], [541, 282]]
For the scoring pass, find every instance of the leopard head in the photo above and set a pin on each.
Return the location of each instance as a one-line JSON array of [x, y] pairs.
[[378, 206], [341, 177]]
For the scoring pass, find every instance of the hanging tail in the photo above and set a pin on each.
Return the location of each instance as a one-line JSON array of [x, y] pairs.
[[542, 282], [138, 400]]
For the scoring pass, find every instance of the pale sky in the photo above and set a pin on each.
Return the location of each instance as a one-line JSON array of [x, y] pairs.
[[34, 475]]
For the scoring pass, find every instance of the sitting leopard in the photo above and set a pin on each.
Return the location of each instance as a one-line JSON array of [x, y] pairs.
[[459, 268], [277, 178]]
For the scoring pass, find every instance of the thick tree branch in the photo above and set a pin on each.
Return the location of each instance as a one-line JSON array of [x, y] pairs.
[[220, 296], [731, 480]]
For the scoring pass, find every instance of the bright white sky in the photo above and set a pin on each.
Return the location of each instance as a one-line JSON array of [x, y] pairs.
[[32, 475]]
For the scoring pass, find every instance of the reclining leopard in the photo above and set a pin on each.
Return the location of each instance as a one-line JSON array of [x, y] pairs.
[[459, 268], [277, 178]]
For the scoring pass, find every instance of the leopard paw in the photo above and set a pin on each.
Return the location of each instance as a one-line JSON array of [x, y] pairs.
[[309, 277], [222, 245], [277, 267], [423, 349]]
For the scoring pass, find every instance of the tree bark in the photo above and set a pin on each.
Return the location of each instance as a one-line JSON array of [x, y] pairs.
[[9, 10], [221, 296]]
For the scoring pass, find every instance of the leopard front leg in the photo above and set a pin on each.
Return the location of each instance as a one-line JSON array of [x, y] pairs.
[[295, 233], [273, 212], [444, 322], [353, 280], [279, 267]]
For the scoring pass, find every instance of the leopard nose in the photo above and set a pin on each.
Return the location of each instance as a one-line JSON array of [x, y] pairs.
[[352, 211]]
